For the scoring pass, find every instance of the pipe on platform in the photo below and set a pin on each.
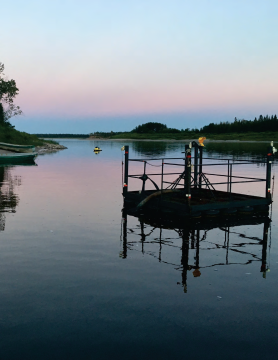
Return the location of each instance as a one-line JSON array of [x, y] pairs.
[[154, 195]]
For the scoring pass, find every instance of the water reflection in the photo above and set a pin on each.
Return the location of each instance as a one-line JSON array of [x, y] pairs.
[[237, 150], [198, 246], [155, 148], [8, 198], [234, 150]]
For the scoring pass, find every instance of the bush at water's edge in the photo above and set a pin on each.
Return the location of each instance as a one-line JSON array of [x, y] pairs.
[[13, 136]]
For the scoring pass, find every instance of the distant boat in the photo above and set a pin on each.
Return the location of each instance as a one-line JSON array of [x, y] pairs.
[[17, 154], [97, 149]]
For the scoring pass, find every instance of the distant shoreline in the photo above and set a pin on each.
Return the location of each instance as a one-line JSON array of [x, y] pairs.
[[182, 140], [91, 138]]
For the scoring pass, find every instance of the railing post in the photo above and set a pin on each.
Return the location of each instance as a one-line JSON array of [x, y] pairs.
[[125, 188], [196, 152], [228, 177], [185, 169], [188, 173], [231, 171], [144, 177], [200, 165], [162, 169], [269, 159]]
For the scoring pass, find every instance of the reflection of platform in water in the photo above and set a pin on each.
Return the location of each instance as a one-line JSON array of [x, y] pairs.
[[194, 237]]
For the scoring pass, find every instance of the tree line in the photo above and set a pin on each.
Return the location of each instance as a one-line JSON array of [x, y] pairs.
[[260, 124], [56, 136]]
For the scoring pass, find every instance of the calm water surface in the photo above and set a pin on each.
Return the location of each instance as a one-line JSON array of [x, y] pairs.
[[73, 288]]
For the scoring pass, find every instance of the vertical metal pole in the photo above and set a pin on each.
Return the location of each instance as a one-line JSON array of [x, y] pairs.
[[227, 245], [200, 165], [188, 171], [162, 170], [231, 171], [125, 188], [196, 153], [185, 169], [228, 177], [144, 180], [268, 172]]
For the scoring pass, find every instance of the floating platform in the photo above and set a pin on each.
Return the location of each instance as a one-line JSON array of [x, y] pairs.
[[192, 194], [201, 203]]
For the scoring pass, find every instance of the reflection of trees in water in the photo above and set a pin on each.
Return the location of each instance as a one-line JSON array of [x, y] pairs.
[[155, 148], [8, 199], [254, 151], [235, 150]]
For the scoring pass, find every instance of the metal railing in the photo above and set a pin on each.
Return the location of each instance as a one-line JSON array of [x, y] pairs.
[[197, 178]]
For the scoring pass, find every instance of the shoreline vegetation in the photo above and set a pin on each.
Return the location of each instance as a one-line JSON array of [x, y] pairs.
[[10, 135], [265, 128], [233, 137]]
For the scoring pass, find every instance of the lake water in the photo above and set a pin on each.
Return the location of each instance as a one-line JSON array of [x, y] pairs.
[[74, 286]]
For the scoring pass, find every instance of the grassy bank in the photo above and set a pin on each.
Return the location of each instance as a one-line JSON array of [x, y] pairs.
[[13, 136], [250, 136]]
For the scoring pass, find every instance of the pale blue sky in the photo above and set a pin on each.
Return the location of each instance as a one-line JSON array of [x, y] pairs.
[[110, 65]]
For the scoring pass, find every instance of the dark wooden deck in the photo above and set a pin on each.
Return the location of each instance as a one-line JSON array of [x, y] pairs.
[[202, 201]]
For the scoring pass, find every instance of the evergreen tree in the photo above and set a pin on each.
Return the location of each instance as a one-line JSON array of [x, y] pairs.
[[2, 116]]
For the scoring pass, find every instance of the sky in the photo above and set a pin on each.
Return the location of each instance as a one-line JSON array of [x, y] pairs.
[[110, 65]]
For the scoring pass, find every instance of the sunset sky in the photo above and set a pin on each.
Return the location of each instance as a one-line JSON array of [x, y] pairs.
[[100, 65]]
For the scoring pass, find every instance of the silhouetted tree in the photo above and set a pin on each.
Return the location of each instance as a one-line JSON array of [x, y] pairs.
[[2, 117], [8, 91], [150, 127]]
